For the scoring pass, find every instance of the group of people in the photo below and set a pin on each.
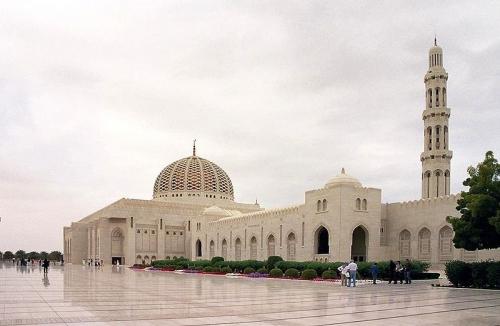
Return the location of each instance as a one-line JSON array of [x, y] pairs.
[[41, 263], [397, 271], [93, 262]]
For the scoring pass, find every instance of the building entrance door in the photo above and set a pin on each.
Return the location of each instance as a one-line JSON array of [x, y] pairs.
[[118, 260]]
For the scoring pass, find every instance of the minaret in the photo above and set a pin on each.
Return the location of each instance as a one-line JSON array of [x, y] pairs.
[[436, 156]]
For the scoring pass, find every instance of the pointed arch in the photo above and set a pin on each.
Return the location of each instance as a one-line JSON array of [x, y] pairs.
[[198, 248], [253, 248], [271, 246], [404, 244], [224, 249], [359, 244], [445, 244], [321, 241], [212, 249], [424, 244], [290, 246], [237, 249]]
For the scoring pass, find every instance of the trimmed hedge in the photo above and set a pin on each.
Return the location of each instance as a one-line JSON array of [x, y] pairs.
[[262, 270], [272, 260], [248, 270], [226, 269], [276, 273], [216, 259], [328, 275], [478, 275], [292, 273], [309, 274]]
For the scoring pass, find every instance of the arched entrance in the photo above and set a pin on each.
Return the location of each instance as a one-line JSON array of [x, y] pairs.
[[237, 249], [290, 246], [321, 241], [253, 248], [270, 246], [212, 249], [358, 247], [198, 248], [117, 247], [224, 249]]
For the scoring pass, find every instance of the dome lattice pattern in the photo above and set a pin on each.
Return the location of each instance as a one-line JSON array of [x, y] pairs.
[[193, 176]]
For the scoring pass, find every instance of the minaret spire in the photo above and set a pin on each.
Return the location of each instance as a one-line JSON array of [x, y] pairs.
[[194, 147]]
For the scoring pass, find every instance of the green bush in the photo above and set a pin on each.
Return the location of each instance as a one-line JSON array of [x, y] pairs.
[[309, 274], [479, 273], [262, 270], [425, 276], [226, 269], [216, 259], [208, 269], [292, 273], [328, 275], [276, 273], [177, 267], [284, 265], [493, 274], [272, 260], [248, 270], [459, 273]]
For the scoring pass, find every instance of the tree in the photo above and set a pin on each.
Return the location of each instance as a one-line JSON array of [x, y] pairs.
[[8, 255], [1, 255], [33, 255], [44, 255], [55, 255], [479, 225], [20, 254]]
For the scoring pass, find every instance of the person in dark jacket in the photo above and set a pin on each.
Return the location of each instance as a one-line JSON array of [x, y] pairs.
[[392, 272], [407, 272], [45, 266]]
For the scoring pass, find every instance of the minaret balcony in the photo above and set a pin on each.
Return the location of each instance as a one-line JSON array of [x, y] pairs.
[[436, 112], [436, 154]]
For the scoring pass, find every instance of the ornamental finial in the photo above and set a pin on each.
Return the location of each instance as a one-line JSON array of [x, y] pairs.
[[194, 147]]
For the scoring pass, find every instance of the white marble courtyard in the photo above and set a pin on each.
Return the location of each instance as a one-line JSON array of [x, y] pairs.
[[81, 295]]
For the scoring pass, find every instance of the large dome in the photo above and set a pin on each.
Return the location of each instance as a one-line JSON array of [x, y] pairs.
[[193, 176]]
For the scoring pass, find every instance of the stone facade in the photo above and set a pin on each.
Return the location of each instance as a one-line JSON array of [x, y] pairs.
[[193, 213]]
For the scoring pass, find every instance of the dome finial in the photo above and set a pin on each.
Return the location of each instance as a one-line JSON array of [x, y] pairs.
[[435, 40], [194, 147]]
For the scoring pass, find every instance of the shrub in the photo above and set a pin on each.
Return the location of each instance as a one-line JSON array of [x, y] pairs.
[[425, 276], [292, 273], [276, 273], [248, 270], [216, 259], [226, 269], [328, 275], [208, 269], [284, 265], [272, 260], [262, 270], [479, 273], [459, 273], [493, 274], [309, 274], [178, 267]]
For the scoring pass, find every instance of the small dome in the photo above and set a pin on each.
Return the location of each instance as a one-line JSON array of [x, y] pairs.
[[343, 179], [193, 176]]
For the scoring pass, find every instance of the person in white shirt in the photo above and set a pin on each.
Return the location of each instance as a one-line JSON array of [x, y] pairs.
[[353, 269], [343, 274]]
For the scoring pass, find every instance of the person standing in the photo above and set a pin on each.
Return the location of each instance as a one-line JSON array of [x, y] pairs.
[[407, 271], [45, 266], [392, 271], [399, 273], [342, 271], [374, 272], [353, 269]]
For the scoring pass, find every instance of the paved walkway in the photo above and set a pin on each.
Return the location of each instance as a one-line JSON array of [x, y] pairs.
[[77, 294]]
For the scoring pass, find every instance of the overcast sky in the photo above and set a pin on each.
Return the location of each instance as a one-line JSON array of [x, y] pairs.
[[97, 97]]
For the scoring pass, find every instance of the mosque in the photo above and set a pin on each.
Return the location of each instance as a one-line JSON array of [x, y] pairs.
[[193, 213]]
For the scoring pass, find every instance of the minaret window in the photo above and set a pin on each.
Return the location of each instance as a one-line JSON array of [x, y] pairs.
[[429, 137], [438, 129], [429, 96], [437, 97], [444, 97]]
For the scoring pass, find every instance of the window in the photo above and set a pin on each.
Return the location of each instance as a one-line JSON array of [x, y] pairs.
[[138, 231], [318, 206], [180, 233], [364, 205], [325, 204], [358, 204], [132, 222]]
